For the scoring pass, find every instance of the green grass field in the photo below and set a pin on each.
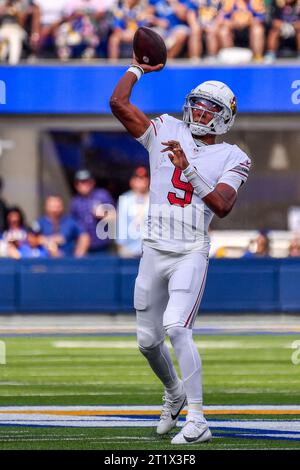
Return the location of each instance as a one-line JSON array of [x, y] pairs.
[[82, 370]]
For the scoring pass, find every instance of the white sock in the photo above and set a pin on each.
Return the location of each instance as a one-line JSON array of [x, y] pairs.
[[195, 411]]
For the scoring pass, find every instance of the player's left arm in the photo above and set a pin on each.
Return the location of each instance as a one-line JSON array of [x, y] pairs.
[[220, 199]]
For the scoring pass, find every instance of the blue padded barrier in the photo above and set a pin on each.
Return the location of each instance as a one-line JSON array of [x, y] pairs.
[[237, 285], [8, 285], [128, 273], [105, 284], [89, 284], [290, 285]]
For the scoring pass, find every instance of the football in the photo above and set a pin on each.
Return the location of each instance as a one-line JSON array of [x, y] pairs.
[[149, 47]]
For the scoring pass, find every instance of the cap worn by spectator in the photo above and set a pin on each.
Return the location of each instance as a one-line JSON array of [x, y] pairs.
[[83, 175], [35, 229]]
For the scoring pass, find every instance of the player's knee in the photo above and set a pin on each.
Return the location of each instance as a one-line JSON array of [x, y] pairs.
[[179, 336], [147, 340], [175, 332]]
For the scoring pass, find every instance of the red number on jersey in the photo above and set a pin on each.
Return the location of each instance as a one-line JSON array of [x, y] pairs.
[[178, 184]]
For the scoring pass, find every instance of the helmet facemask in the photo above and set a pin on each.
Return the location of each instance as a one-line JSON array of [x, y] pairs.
[[220, 116]]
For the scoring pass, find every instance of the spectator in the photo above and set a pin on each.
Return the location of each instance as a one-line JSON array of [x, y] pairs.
[[243, 23], [203, 20], [12, 33], [3, 209], [33, 247], [128, 17], [14, 234], [87, 208], [51, 18], [81, 28], [31, 24], [294, 248], [285, 16], [169, 18], [15, 228], [9, 250], [132, 210], [261, 247], [63, 236]]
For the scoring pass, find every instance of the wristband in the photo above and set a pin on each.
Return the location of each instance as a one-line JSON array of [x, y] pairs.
[[201, 187], [137, 70]]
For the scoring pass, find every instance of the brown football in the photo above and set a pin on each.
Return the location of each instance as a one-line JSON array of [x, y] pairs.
[[149, 47]]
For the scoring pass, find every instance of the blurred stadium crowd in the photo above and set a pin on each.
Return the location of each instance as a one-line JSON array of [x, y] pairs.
[[60, 233], [76, 232], [224, 31]]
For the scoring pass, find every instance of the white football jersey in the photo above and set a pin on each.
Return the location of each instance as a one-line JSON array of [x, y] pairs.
[[178, 219]]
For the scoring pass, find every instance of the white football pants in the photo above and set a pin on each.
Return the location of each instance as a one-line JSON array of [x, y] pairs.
[[167, 295]]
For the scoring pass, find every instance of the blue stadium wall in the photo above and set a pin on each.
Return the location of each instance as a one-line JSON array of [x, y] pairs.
[[69, 89], [106, 283]]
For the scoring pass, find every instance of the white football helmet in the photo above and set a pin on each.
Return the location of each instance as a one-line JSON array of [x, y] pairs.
[[219, 97]]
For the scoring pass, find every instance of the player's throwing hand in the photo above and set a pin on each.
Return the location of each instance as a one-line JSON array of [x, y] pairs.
[[177, 157], [147, 68]]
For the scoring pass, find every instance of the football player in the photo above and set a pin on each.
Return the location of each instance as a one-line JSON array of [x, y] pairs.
[[192, 178]]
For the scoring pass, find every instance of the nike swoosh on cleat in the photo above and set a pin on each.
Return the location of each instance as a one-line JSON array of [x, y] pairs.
[[177, 414], [194, 439]]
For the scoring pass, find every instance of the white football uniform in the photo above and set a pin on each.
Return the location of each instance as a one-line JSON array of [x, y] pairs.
[[173, 269], [178, 219]]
